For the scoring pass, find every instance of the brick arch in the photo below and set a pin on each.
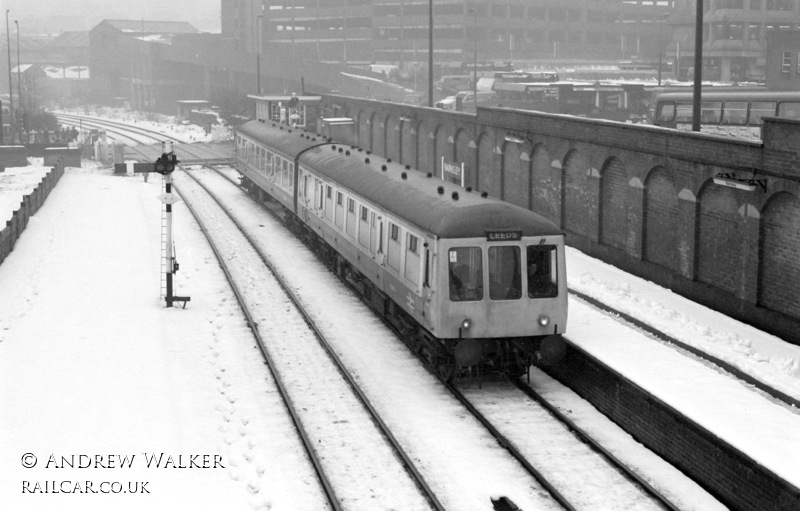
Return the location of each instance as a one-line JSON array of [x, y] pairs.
[[486, 162], [614, 204], [393, 137], [365, 121], [719, 232], [779, 270], [575, 211], [425, 147], [515, 174], [661, 219], [545, 186], [408, 144], [379, 135], [466, 155]]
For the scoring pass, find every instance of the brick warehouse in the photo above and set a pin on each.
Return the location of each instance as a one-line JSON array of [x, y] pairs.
[[640, 197]]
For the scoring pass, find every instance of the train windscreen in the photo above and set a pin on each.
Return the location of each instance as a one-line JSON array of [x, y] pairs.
[[542, 274], [466, 274]]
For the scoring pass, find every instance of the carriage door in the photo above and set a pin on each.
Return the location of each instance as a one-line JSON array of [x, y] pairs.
[[428, 279], [305, 195]]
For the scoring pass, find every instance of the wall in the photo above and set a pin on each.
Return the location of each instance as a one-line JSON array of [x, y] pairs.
[[640, 197], [64, 156], [13, 156]]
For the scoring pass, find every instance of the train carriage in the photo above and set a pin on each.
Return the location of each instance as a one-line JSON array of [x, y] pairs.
[[469, 280]]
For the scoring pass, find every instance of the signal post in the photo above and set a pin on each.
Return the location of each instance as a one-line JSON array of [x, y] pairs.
[[165, 165]]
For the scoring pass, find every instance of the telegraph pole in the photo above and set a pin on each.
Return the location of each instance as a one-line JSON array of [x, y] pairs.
[[10, 87], [698, 65]]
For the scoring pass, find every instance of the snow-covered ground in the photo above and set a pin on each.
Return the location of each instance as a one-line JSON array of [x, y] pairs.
[[92, 364]]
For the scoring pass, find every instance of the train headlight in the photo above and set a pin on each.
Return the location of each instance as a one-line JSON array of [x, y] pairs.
[[544, 320], [466, 324]]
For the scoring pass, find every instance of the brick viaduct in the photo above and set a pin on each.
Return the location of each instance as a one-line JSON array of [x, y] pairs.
[[639, 197]]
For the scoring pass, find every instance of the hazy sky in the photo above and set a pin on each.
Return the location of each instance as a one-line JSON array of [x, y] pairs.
[[48, 16]]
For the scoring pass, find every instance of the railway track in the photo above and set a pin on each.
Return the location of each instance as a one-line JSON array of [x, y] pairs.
[[118, 129], [627, 490], [319, 385], [642, 484]]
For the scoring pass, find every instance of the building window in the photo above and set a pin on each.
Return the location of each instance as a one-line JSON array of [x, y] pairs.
[[786, 63]]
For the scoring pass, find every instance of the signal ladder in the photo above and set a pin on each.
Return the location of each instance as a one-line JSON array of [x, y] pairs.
[[164, 242]]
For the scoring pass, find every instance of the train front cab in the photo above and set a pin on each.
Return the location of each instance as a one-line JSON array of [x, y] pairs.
[[503, 293]]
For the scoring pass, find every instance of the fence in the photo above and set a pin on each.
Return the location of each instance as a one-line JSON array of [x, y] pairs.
[[28, 207]]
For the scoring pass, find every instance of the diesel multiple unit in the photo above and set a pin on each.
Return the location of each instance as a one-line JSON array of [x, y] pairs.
[[470, 282]]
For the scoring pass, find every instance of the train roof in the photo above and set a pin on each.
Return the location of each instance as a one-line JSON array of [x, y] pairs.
[[415, 197]]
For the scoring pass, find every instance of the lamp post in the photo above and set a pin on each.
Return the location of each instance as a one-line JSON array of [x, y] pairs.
[[660, 47], [698, 65], [474, 11], [10, 90], [258, 52], [19, 73], [430, 53]]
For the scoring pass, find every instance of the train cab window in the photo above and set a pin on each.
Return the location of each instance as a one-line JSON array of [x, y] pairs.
[[465, 268], [761, 109], [666, 112], [505, 282], [542, 275]]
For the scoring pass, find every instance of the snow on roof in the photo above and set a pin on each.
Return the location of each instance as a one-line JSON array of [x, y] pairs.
[[71, 72], [22, 67], [144, 26]]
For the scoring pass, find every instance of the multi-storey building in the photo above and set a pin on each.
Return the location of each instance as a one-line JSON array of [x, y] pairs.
[[361, 32], [734, 36]]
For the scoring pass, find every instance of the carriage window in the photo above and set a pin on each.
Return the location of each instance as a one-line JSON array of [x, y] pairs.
[[760, 109], [683, 112], [735, 112], [504, 273], [465, 267], [542, 276], [789, 110], [711, 112]]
